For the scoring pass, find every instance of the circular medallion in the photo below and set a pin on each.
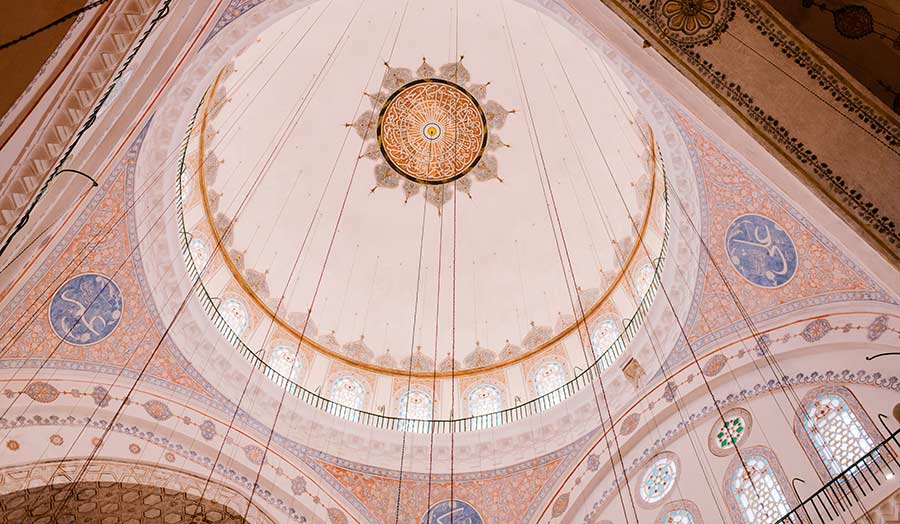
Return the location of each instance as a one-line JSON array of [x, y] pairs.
[[432, 131], [461, 512], [761, 251], [728, 431], [86, 309]]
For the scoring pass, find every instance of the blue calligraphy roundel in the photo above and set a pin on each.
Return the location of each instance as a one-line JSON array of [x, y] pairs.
[[455, 511], [86, 309], [761, 251]]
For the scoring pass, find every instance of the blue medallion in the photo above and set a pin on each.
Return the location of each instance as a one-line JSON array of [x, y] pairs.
[[761, 251], [86, 309], [461, 513]]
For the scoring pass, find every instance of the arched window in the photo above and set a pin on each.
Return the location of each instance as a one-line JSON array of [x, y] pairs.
[[680, 512], [416, 405], [677, 516], [549, 377], [347, 392], [603, 334], [643, 278], [286, 361], [235, 314], [484, 400], [764, 499], [199, 253], [837, 428]]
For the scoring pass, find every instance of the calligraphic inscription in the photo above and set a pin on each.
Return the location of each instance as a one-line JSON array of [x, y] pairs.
[[86, 309], [761, 251], [460, 512], [432, 131]]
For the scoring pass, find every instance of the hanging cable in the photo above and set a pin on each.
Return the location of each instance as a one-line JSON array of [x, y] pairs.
[[60, 20]]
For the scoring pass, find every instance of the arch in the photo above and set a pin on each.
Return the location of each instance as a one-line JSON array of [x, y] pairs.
[[347, 392], [118, 489], [680, 512], [417, 406], [767, 498], [835, 430], [643, 278], [235, 314], [604, 333], [287, 361], [483, 401], [548, 377]]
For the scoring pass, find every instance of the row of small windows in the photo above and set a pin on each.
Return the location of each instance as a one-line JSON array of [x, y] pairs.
[[835, 427]]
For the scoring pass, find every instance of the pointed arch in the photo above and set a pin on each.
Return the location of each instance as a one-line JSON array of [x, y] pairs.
[[680, 512]]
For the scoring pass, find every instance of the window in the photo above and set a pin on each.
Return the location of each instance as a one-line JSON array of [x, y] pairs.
[[603, 335], [679, 512], [678, 516], [837, 434], [485, 400], [286, 362], [549, 377], [763, 500], [729, 430], [643, 278], [199, 253], [416, 405], [349, 393], [659, 478], [235, 315]]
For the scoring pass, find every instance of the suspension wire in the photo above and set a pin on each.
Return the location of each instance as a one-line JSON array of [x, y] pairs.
[[298, 114], [127, 399], [437, 317], [321, 274], [120, 266], [781, 380], [52, 24], [562, 251], [623, 266], [412, 346], [115, 220]]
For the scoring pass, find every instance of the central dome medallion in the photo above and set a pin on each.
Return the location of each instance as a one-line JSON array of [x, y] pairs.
[[432, 131]]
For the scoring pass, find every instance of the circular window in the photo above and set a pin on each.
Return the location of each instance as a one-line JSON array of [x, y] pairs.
[[725, 434], [659, 478]]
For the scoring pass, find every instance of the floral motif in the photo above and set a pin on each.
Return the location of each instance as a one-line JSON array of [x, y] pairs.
[[42, 392], [714, 365], [853, 21], [694, 22], [298, 485], [56, 439], [12, 445], [254, 454], [157, 410], [816, 329], [593, 462], [101, 396], [725, 435], [336, 516], [561, 504], [877, 328], [134, 449], [208, 429], [629, 423]]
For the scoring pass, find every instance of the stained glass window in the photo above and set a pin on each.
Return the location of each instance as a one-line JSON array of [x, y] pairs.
[[730, 432], [643, 278], [658, 479], [604, 333], [235, 314], [761, 501], [549, 377], [417, 406], [484, 400], [678, 516], [286, 362], [199, 253], [836, 432], [347, 392]]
